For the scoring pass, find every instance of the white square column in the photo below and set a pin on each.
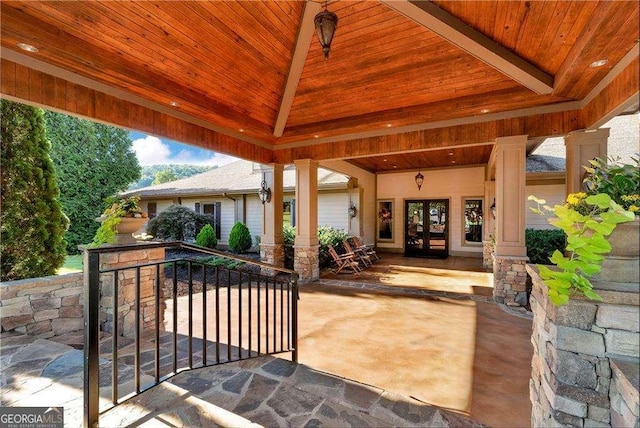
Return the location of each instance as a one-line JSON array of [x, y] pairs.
[[306, 248], [581, 147], [272, 241]]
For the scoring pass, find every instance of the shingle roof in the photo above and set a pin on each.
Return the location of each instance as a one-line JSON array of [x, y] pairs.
[[624, 142], [237, 177]]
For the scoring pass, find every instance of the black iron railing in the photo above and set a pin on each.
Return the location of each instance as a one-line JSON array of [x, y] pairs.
[[243, 313]]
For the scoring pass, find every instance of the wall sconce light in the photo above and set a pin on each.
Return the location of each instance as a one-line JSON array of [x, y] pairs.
[[493, 209], [264, 193], [353, 211], [419, 180]]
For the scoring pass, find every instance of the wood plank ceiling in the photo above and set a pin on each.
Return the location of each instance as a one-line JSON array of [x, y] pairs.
[[394, 66]]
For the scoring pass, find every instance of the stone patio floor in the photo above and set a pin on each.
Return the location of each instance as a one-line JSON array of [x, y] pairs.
[[425, 332]]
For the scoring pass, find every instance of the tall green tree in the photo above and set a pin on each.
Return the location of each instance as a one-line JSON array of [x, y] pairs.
[[32, 224], [164, 176], [93, 162]]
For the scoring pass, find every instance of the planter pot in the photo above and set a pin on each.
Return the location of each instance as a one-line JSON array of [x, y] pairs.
[[126, 227], [622, 265]]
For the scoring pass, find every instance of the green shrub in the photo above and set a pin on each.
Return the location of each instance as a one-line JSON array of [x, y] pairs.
[[239, 238], [542, 243], [207, 237], [326, 236], [177, 223], [221, 261]]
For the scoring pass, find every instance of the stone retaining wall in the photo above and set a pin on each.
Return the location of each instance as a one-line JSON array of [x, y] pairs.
[[43, 307], [572, 382], [510, 280]]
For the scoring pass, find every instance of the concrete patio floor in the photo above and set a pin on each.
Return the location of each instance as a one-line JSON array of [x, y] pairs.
[[424, 331]]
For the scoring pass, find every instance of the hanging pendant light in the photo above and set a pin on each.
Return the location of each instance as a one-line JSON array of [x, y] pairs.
[[326, 23]]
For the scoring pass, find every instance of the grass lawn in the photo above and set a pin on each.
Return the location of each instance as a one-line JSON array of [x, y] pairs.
[[71, 264]]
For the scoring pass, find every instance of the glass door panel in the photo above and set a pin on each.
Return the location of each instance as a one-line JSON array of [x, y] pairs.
[[426, 228]]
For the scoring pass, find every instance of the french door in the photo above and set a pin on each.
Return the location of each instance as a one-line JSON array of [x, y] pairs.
[[426, 228]]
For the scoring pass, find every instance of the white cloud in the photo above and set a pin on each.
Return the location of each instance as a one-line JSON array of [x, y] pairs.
[[153, 151]]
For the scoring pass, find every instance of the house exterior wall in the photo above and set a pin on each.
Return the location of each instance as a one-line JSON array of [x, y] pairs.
[[554, 194], [332, 210], [451, 184]]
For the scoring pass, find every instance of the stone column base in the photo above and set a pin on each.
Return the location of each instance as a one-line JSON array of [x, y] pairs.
[[306, 261], [487, 254], [126, 289], [272, 254], [510, 280]]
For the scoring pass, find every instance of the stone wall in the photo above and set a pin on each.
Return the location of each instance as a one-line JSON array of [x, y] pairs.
[[572, 382], [272, 254], [43, 307], [306, 262], [488, 246], [625, 409]]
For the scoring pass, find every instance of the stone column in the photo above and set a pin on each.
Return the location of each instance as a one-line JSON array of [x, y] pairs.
[[581, 147], [585, 358], [306, 249], [126, 289], [271, 241], [509, 274], [489, 226]]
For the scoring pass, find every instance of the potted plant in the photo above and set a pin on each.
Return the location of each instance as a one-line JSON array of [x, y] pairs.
[[611, 202], [119, 221]]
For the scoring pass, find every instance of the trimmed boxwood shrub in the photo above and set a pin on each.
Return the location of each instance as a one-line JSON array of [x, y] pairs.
[[240, 238], [542, 243], [177, 223], [207, 237]]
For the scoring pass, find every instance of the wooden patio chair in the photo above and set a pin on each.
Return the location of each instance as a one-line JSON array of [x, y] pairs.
[[342, 261], [367, 248], [359, 252]]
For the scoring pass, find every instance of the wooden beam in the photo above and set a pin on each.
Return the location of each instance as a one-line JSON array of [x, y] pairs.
[[474, 43], [29, 86], [300, 51], [539, 125]]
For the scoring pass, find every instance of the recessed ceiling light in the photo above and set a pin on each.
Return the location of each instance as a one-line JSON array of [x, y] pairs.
[[453, 161], [316, 136], [389, 125], [27, 47], [450, 153], [485, 110], [395, 166], [598, 63], [174, 104], [241, 129], [384, 160]]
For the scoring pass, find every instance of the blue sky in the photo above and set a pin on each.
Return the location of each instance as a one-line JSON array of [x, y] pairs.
[[154, 151]]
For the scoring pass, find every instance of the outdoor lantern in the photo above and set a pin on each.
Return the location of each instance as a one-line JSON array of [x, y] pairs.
[[326, 23], [493, 209], [353, 211], [264, 193], [419, 180]]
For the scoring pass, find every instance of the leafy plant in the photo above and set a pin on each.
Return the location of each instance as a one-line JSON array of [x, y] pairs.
[[620, 181], [586, 221], [326, 236], [207, 237], [239, 238], [541, 244], [221, 261], [177, 223], [112, 216]]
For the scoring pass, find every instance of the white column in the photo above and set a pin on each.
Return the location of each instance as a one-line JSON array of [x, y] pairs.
[[272, 242], [581, 147], [511, 195], [306, 246]]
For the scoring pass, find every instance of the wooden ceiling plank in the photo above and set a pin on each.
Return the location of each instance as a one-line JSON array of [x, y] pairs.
[[607, 20], [475, 43], [300, 51]]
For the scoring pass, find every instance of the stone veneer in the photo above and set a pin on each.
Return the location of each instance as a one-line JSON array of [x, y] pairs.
[[488, 246], [272, 254], [575, 348], [510, 280], [306, 262], [126, 289], [43, 307]]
